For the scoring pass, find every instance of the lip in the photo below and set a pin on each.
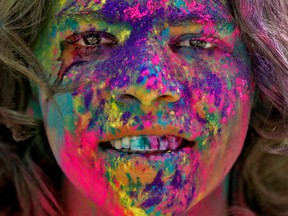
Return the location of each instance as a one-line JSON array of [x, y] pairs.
[[187, 149], [155, 130], [157, 149], [153, 159]]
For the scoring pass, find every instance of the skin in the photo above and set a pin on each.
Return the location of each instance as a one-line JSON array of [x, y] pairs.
[[146, 79]]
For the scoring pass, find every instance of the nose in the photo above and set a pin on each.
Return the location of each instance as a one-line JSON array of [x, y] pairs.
[[149, 77], [146, 96]]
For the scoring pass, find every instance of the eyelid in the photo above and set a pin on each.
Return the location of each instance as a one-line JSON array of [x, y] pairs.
[[190, 36], [215, 41], [80, 35], [187, 43]]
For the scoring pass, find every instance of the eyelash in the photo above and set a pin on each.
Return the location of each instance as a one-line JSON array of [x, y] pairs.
[[94, 38], [195, 43], [104, 38], [192, 41]]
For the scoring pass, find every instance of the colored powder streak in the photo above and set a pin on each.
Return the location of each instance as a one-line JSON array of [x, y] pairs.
[[71, 162], [81, 5], [153, 184], [133, 13], [113, 112], [156, 60], [125, 117], [123, 35]]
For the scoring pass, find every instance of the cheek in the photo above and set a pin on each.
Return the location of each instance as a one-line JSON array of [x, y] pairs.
[[221, 92]]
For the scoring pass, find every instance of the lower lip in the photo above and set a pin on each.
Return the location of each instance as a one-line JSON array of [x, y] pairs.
[[188, 150]]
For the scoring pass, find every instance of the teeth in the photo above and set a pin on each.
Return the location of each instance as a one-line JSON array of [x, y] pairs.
[[136, 144], [163, 143], [118, 144], [174, 142], [126, 142], [148, 144]]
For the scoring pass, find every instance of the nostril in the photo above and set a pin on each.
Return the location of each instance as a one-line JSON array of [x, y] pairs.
[[126, 98], [147, 97], [148, 100], [167, 98]]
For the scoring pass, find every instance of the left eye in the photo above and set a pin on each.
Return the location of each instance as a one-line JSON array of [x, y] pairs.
[[196, 43], [88, 39]]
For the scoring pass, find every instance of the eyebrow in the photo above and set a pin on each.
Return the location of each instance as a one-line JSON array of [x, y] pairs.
[[196, 18], [96, 15], [188, 18]]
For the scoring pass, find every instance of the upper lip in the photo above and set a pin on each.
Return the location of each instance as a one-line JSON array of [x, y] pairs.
[[157, 130]]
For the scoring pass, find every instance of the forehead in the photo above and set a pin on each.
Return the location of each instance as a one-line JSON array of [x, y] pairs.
[[137, 10]]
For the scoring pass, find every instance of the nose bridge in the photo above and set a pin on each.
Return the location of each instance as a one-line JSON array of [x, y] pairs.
[[149, 73], [153, 67]]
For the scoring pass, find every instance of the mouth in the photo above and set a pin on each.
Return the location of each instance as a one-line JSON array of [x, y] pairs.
[[147, 144]]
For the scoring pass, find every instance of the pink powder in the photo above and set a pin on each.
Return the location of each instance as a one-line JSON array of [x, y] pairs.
[[156, 60], [133, 13]]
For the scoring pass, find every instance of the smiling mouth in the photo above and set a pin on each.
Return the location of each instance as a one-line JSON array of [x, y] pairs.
[[147, 144]]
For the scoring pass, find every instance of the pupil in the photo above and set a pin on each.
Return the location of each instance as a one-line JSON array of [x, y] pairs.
[[197, 43], [92, 39]]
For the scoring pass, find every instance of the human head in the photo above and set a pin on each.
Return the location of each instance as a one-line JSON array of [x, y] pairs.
[[259, 44], [197, 105]]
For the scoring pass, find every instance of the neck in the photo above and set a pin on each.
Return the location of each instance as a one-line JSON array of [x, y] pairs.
[[77, 204]]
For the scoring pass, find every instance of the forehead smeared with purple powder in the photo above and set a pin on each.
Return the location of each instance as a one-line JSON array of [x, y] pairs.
[[135, 10]]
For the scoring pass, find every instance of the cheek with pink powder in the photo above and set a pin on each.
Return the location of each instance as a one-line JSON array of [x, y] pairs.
[[150, 88]]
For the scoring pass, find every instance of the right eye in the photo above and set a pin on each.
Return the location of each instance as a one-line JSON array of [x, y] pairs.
[[92, 39], [196, 44]]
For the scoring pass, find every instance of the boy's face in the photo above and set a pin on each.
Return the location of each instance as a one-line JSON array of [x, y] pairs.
[[162, 102]]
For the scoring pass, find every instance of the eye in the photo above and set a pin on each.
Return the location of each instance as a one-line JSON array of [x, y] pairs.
[[195, 43], [92, 39]]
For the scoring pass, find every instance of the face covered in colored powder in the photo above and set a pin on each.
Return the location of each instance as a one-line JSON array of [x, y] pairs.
[[157, 101]]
